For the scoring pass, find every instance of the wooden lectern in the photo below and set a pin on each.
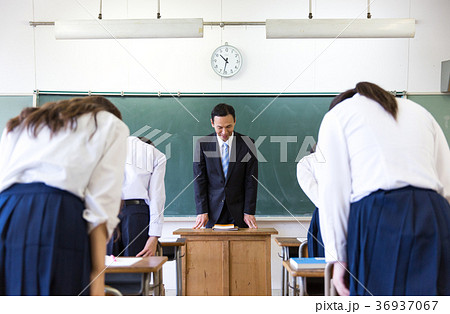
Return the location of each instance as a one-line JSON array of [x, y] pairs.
[[227, 262]]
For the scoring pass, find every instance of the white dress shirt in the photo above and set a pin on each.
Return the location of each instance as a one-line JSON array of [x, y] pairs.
[[307, 179], [229, 143], [89, 167], [145, 169], [365, 149]]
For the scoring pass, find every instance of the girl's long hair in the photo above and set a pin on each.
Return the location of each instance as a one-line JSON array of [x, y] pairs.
[[372, 91]]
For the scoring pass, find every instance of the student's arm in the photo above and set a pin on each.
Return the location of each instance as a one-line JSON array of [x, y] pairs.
[[334, 179], [157, 196], [306, 178], [103, 194], [98, 237]]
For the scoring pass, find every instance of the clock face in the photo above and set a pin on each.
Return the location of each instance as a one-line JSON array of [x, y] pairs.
[[226, 60]]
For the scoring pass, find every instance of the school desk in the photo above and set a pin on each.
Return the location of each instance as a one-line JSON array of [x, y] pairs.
[[286, 244], [146, 266], [227, 262]]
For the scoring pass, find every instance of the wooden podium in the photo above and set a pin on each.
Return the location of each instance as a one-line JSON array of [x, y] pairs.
[[226, 262]]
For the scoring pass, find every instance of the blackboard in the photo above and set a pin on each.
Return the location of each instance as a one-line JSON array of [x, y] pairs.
[[10, 106], [279, 124], [284, 129], [439, 107]]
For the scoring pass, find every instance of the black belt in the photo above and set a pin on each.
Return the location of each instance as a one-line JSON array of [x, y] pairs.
[[135, 202]]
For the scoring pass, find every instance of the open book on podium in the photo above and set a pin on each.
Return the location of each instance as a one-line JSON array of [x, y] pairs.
[[299, 263], [226, 227]]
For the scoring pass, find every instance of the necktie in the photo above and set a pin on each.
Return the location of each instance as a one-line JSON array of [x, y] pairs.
[[225, 159]]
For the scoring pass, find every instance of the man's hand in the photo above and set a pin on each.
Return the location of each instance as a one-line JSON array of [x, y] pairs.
[[250, 220], [149, 248], [340, 278], [201, 221]]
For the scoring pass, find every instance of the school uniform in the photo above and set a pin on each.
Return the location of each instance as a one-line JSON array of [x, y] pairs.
[[55, 189], [144, 195], [384, 197], [307, 180]]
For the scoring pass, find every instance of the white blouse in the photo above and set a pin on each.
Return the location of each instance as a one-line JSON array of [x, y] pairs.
[[365, 149], [145, 169], [307, 179], [91, 168]]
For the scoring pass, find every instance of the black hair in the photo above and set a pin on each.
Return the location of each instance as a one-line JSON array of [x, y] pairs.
[[222, 110], [145, 140]]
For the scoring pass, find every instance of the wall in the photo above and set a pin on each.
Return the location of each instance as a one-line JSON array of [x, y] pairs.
[[30, 58]]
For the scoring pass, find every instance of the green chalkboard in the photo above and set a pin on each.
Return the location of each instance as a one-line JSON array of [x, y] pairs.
[[439, 106], [284, 129], [10, 106]]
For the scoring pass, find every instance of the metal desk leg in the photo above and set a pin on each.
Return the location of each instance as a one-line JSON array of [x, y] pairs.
[[145, 284], [158, 276], [328, 275], [285, 275], [157, 282], [178, 270], [294, 285]]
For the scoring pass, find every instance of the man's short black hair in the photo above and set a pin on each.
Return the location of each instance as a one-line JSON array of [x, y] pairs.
[[145, 140], [222, 110]]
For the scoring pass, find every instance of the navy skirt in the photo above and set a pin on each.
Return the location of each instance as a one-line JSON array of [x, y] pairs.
[[398, 243], [315, 243], [131, 233], [44, 244]]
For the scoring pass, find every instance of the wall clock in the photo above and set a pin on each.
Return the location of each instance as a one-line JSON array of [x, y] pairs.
[[226, 60]]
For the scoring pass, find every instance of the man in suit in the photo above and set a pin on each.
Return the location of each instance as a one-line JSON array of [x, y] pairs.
[[225, 172]]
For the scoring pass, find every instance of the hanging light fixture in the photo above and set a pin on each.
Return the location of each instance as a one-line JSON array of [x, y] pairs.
[[340, 28], [129, 28]]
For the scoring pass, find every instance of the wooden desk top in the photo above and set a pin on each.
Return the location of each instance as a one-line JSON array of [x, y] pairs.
[[149, 264], [240, 232], [179, 242], [313, 272], [290, 242]]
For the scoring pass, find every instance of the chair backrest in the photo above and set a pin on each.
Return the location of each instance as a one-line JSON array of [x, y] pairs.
[[303, 249], [110, 291]]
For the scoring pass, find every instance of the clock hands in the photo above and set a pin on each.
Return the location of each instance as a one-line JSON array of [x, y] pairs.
[[226, 62]]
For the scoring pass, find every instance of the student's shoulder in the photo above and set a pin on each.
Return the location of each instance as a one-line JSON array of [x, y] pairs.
[[108, 121]]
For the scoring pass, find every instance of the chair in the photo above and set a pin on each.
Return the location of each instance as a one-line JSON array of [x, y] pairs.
[[310, 286], [330, 290]]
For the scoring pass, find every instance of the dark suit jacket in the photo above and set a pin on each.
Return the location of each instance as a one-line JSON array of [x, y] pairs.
[[238, 189]]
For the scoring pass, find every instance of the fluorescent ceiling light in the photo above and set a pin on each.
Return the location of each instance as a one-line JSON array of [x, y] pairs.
[[341, 28], [134, 28]]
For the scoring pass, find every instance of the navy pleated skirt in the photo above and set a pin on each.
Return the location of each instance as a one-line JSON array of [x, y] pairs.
[[399, 243], [315, 243], [131, 233], [44, 244]]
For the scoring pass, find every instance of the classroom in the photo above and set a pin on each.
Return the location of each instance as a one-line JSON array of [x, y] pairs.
[[165, 88]]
